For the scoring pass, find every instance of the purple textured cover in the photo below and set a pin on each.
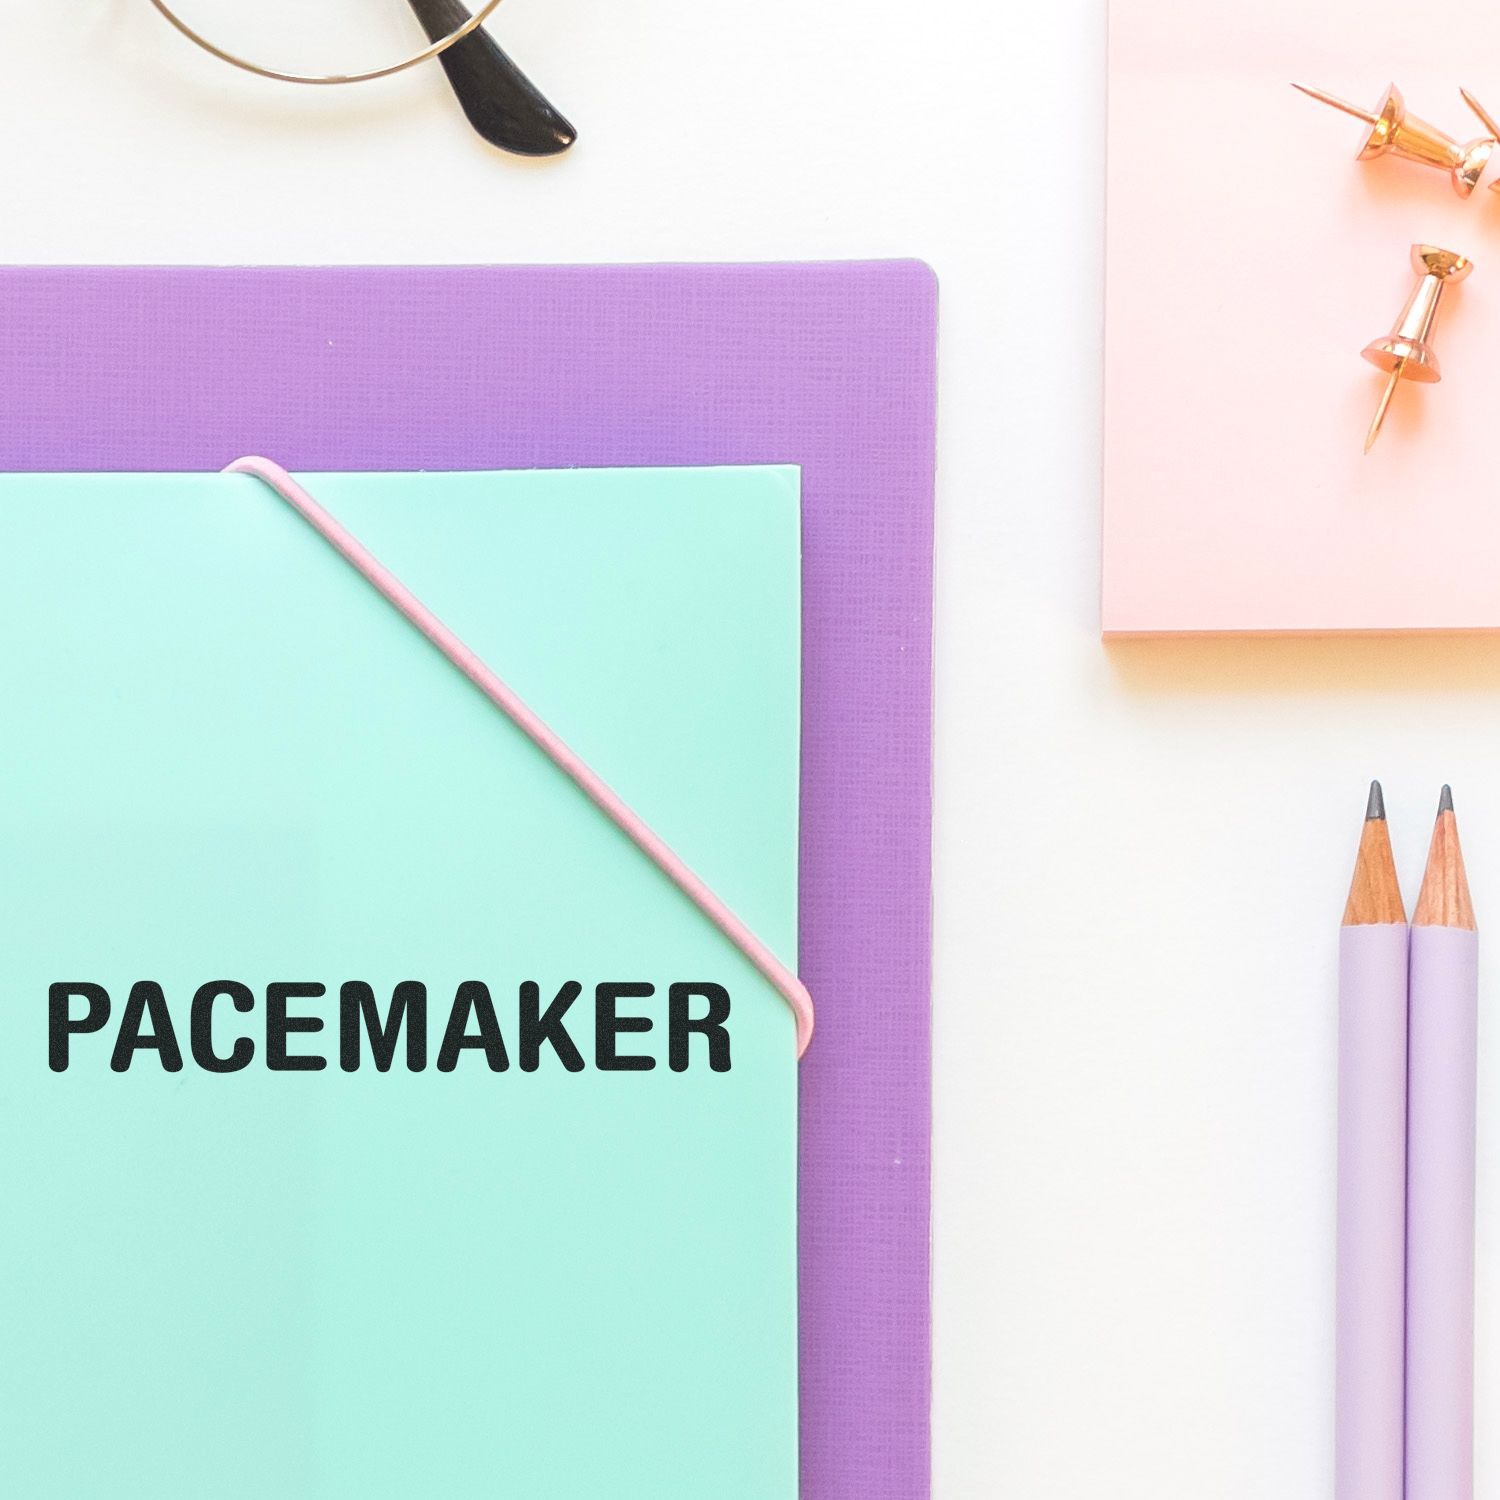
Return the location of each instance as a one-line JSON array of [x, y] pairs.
[[1443, 1061], [1371, 1318], [829, 366]]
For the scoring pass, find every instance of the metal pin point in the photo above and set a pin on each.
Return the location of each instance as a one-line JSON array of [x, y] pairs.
[[1406, 352], [1394, 130], [1487, 120]]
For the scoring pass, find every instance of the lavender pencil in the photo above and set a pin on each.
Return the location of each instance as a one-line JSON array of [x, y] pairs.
[[1372, 1173], [1441, 1090]]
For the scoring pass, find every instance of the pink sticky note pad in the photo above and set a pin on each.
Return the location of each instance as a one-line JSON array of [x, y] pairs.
[[1250, 260]]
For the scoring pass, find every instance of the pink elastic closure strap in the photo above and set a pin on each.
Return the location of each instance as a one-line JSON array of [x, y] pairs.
[[791, 989]]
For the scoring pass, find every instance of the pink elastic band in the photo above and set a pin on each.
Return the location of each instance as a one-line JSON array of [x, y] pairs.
[[791, 989]]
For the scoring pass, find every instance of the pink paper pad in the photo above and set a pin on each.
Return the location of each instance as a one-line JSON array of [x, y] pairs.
[[1250, 260]]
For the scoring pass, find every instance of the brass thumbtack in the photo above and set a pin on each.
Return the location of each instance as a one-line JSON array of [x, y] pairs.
[[1485, 119], [1406, 352], [1394, 130]]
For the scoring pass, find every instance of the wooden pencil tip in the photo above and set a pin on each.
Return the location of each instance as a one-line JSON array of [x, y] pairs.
[[1375, 892], [1444, 899]]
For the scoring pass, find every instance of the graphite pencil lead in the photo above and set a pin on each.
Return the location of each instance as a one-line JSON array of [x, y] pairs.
[[1374, 892], [1444, 899]]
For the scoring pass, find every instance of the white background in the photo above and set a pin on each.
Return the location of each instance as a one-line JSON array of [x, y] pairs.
[[1142, 851]]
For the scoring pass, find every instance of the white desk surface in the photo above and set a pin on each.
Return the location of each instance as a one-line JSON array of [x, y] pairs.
[[1142, 852]]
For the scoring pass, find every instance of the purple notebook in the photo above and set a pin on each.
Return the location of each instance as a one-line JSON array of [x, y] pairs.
[[827, 366]]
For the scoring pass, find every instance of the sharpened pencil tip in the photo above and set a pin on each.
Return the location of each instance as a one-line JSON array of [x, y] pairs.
[[1445, 801], [1375, 808]]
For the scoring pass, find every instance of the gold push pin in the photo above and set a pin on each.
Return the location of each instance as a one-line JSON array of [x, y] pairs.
[[1394, 130], [1485, 119], [1406, 352]]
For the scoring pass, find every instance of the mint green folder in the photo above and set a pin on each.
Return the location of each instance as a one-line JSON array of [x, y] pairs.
[[381, 1258]]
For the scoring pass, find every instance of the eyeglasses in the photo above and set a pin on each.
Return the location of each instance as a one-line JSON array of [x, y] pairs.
[[357, 41]]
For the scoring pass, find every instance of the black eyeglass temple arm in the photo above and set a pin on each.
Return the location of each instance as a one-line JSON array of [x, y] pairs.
[[502, 103]]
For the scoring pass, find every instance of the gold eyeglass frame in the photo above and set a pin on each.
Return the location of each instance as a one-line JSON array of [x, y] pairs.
[[481, 14]]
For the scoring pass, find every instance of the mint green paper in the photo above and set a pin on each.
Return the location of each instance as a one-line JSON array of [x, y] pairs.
[[223, 756]]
